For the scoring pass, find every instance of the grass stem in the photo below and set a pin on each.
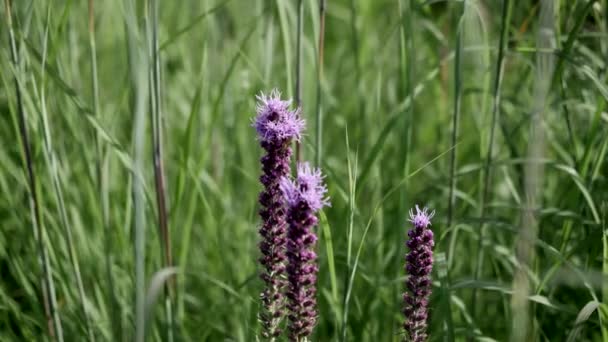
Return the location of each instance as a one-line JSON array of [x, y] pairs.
[[298, 86], [102, 186], [138, 73], [319, 104], [157, 157], [52, 163], [54, 326], [455, 122], [485, 197], [522, 326]]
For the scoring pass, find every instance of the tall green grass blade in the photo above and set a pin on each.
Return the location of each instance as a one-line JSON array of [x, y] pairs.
[[158, 159], [319, 100], [298, 85], [522, 326], [455, 118], [52, 165], [138, 71], [284, 23], [102, 179], [498, 76], [603, 313], [446, 302], [352, 189], [47, 284]]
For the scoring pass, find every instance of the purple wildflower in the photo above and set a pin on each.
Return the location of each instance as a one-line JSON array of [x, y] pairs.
[[419, 263], [274, 121], [304, 197], [277, 126]]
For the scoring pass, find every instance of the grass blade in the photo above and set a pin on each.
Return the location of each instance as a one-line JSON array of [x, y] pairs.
[[502, 47], [102, 183], [604, 313], [455, 120], [318, 107], [157, 146], [139, 82], [53, 320], [52, 164], [521, 328], [298, 86]]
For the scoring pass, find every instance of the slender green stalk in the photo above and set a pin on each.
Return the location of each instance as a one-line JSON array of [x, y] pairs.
[[101, 178], [521, 328], [319, 109], [139, 213], [452, 170], [355, 48], [605, 6], [407, 61], [446, 302], [49, 298], [138, 65], [287, 46], [157, 156], [455, 121], [604, 313], [51, 160], [298, 87], [352, 190], [502, 47]]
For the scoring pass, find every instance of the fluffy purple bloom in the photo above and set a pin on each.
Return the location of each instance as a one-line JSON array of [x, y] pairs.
[[308, 188], [277, 126], [419, 264], [304, 196], [275, 121]]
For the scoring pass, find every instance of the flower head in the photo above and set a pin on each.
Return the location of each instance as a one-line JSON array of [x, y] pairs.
[[422, 218], [275, 121], [307, 188]]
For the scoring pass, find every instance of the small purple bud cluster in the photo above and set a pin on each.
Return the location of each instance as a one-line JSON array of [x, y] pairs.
[[277, 126], [419, 264], [304, 196]]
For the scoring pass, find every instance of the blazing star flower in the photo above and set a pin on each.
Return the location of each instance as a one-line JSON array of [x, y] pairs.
[[419, 263], [277, 126], [304, 196], [275, 121]]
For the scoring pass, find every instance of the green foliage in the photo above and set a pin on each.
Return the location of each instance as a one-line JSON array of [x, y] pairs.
[[387, 93]]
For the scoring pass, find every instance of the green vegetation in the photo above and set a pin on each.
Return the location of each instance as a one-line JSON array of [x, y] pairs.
[[492, 113]]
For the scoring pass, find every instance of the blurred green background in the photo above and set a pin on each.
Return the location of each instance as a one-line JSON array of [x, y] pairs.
[[492, 113]]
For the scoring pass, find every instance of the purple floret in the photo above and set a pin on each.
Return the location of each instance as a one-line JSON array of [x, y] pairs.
[[275, 121], [277, 126], [304, 197], [308, 187], [419, 264]]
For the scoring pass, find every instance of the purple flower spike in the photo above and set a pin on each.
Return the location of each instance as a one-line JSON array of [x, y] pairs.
[[419, 264], [304, 196], [277, 126]]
